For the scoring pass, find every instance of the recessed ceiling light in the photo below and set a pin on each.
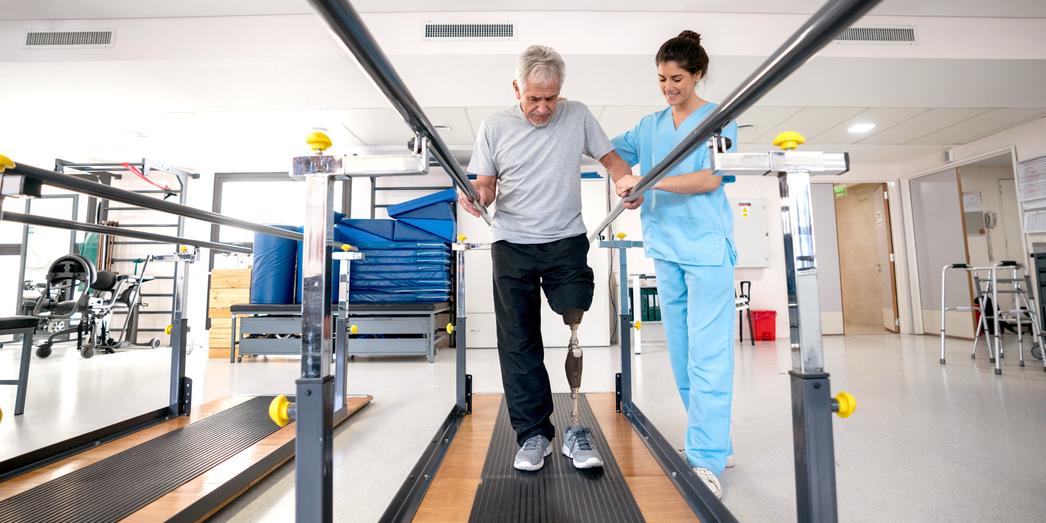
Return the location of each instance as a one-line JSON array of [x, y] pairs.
[[858, 128]]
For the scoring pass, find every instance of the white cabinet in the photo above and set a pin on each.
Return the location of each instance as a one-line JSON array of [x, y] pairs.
[[479, 302]]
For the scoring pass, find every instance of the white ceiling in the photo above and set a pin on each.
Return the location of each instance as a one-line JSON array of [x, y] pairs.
[[236, 93], [110, 9]]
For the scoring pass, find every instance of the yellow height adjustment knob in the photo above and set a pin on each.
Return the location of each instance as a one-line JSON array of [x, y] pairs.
[[845, 404], [280, 410], [789, 140], [462, 238], [621, 235], [637, 324], [184, 249], [353, 329], [450, 328], [6, 163], [1, 410], [168, 329], [346, 247], [318, 141]]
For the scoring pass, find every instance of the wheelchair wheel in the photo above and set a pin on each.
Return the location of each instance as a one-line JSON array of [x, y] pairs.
[[87, 352], [43, 351], [154, 343]]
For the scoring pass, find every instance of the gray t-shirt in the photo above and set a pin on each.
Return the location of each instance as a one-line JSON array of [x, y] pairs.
[[538, 170]]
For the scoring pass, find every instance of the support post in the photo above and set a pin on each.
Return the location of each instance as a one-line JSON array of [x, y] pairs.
[[811, 390], [314, 498], [462, 381]]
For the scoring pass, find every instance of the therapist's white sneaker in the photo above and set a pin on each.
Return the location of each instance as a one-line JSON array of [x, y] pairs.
[[710, 480], [729, 459]]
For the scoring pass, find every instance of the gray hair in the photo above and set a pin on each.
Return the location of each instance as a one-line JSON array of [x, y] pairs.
[[540, 63]]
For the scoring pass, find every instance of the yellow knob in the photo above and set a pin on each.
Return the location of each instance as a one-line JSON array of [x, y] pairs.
[[1, 410], [353, 329], [167, 330], [450, 328], [318, 141], [462, 238], [846, 404], [789, 140], [184, 249], [279, 410], [6, 163], [638, 324], [621, 235], [346, 247]]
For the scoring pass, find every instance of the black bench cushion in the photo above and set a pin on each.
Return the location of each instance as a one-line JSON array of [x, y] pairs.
[[17, 322]]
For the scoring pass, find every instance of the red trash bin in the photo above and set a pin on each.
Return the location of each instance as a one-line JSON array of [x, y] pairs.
[[764, 323]]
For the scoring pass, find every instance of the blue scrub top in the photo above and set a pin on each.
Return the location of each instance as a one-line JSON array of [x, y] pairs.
[[692, 229]]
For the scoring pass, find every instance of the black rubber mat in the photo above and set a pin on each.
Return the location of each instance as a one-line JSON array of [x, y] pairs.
[[558, 492], [119, 485]]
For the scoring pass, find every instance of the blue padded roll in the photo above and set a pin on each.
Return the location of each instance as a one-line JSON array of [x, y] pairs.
[[273, 274]]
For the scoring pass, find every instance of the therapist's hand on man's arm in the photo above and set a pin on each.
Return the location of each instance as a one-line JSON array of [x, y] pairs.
[[486, 187], [619, 170]]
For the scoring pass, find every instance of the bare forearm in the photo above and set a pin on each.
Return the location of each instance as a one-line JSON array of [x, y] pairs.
[[486, 187], [690, 183], [616, 166]]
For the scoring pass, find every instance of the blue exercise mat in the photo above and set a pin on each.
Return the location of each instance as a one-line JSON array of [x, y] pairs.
[[436, 211], [381, 228], [447, 195], [357, 276], [400, 260], [372, 297], [435, 284], [415, 267], [408, 233], [441, 228], [272, 276], [407, 253], [387, 245]]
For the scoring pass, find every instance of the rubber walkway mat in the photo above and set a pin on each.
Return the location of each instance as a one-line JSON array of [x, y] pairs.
[[558, 492], [117, 486]]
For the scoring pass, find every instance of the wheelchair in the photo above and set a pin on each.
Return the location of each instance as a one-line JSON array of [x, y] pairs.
[[79, 299]]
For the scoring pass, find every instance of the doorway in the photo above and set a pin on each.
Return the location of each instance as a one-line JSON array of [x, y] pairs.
[[866, 259]]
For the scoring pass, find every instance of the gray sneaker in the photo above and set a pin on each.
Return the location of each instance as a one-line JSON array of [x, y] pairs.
[[578, 446], [531, 455]]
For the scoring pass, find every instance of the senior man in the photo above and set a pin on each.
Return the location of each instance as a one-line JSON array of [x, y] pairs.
[[528, 159]]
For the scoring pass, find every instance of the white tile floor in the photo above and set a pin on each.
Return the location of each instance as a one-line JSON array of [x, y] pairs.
[[927, 442]]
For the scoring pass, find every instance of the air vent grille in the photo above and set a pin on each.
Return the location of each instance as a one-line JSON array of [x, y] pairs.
[[878, 34], [470, 31], [53, 39]]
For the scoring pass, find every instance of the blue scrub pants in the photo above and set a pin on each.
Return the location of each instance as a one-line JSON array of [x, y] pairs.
[[697, 311]]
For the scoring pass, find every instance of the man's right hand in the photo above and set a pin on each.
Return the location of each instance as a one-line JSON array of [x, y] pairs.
[[466, 203]]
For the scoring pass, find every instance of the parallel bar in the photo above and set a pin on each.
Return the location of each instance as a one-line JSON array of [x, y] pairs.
[[44, 221], [345, 22], [72, 183], [817, 32]]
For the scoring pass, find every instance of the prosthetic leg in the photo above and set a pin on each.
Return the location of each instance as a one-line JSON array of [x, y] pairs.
[[573, 364], [576, 443]]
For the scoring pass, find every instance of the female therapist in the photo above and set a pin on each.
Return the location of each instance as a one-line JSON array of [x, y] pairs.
[[688, 231]]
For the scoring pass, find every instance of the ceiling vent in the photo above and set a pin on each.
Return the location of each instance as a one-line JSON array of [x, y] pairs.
[[881, 35], [470, 31], [68, 39]]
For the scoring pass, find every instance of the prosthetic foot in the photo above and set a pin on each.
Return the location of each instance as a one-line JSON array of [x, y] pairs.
[[576, 442]]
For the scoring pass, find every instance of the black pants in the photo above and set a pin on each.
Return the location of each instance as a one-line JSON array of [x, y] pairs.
[[520, 271]]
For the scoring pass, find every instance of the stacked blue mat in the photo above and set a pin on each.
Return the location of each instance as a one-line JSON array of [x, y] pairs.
[[407, 259]]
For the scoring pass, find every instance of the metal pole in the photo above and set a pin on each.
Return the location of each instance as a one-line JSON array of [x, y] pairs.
[[811, 391], [315, 389], [461, 371], [345, 22], [83, 186], [44, 221], [817, 32], [625, 320]]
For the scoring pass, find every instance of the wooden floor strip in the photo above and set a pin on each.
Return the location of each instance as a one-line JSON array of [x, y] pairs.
[[453, 490], [175, 501]]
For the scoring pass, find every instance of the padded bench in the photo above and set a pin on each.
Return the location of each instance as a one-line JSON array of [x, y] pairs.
[[26, 326], [394, 329]]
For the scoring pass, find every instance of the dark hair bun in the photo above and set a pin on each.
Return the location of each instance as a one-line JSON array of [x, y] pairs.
[[690, 35]]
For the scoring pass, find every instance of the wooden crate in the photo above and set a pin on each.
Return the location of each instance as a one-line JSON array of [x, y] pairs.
[[228, 287]]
